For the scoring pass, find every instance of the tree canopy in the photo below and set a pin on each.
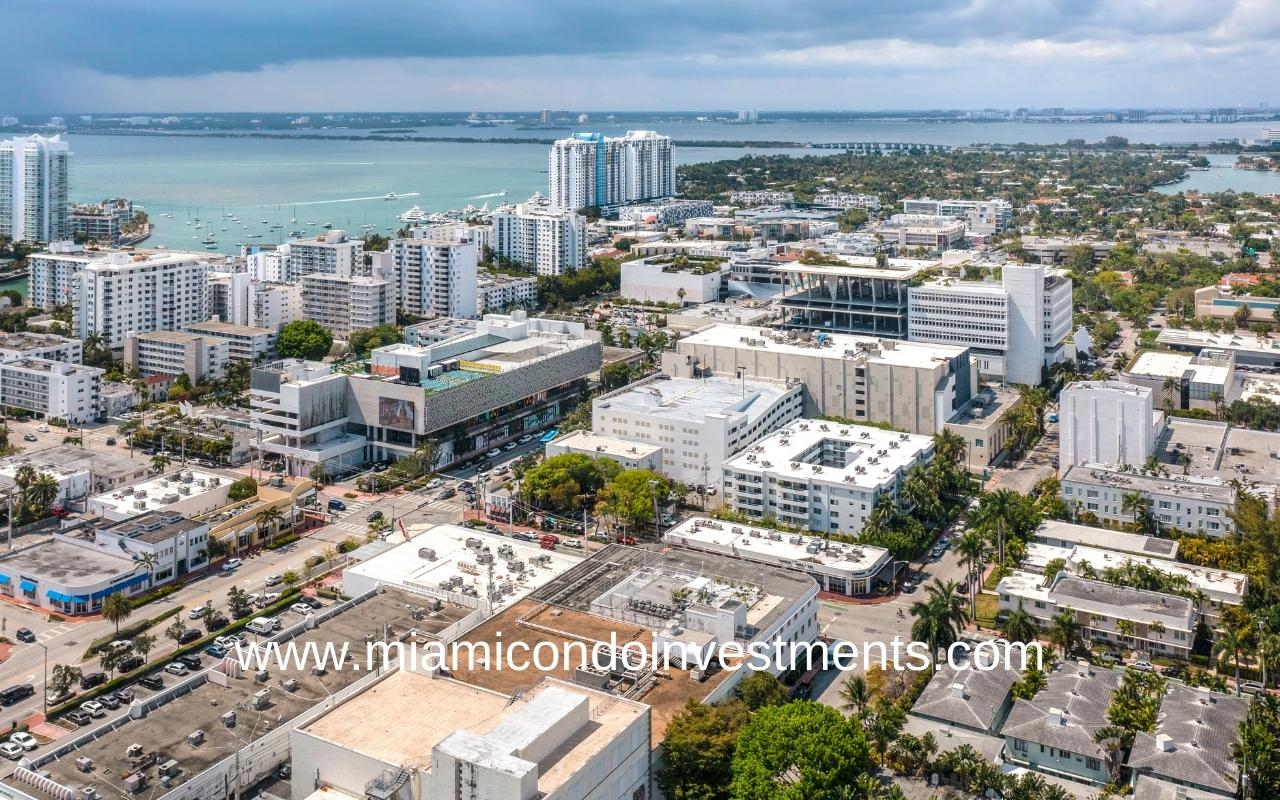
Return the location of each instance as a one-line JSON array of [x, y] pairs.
[[798, 751], [566, 482], [305, 339]]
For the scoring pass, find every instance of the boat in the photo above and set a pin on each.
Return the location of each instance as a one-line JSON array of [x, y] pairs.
[[210, 247], [264, 222], [167, 215], [253, 236], [415, 214], [208, 240], [390, 196], [368, 226], [327, 225]]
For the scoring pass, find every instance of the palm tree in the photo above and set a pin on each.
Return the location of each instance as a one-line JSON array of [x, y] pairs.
[[1037, 399], [1169, 386], [939, 617], [995, 513], [43, 490], [269, 518], [1020, 626], [972, 549], [427, 452], [1231, 643], [160, 462], [148, 561], [1135, 503], [1064, 630], [855, 695], [116, 608], [1115, 741]]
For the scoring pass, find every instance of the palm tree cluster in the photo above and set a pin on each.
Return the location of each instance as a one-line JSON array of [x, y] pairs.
[[969, 770], [939, 618], [928, 494], [36, 492]]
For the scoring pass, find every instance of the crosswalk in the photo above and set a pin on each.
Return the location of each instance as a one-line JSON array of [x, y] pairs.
[[53, 632]]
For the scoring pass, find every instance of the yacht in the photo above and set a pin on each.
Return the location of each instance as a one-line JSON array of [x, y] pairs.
[[327, 225], [415, 214], [390, 196]]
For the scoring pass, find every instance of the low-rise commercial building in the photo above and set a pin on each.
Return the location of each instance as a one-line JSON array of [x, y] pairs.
[[629, 454], [698, 423], [1182, 380], [185, 491], [1054, 250], [911, 386], [822, 476], [848, 569], [108, 469], [913, 232], [1135, 619], [99, 222], [68, 575], [198, 357], [986, 426], [693, 318], [173, 544], [673, 279], [1223, 304], [1248, 348]]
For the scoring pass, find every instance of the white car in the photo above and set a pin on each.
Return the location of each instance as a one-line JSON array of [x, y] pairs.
[[173, 668], [230, 564], [509, 446], [94, 709], [42, 429], [494, 453], [1143, 666], [300, 608], [196, 612], [435, 483], [24, 740], [11, 751], [525, 439]]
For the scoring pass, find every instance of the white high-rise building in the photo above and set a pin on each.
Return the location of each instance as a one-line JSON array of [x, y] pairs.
[[547, 241], [331, 253], [268, 265], [1105, 422], [118, 293], [437, 277], [1013, 329], [51, 389], [34, 174], [229, 296], [590, 169], [274, 305], [345, 304], [53, 272]]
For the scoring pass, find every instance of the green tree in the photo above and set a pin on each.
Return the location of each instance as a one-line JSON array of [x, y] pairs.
[[698, 748], [1064, 630], [855, 695], [761, 689], [143, 643], [116, 608], [269, 519], [160, 462], [1019, 626], [939, 617], [305, 339], [365, 340], [798, 751], [242, 489], [566, 482], [175, 629], [631, 496], [62, 677], [1258, 745]]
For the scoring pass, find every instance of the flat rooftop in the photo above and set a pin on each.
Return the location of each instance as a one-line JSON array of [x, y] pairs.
[[62, 561], [1137, 544], [157, 493], [607, 445], [776, 546], [1086, 595], [1221, 585], [986, 409], [1218, 450], [34, 341], [694, 399], [78, 458], [1190, 486], [152, 527], [863, 267], [229, 329], [165, 728], [814, 450], [824, 345], [1160, 364], [440, 554], [1240, 341], [373, 722], [174, 337]]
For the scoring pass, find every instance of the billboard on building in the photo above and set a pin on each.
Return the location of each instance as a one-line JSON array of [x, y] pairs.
[[395, 413]]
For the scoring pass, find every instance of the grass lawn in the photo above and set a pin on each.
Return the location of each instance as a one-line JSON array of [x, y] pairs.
[[988, 605]]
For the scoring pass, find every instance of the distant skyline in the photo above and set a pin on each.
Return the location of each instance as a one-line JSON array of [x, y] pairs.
[[491, 55]]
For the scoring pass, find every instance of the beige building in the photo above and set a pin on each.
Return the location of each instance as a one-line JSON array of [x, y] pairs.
[[986, 426], [1216, 302], [345, 304], [175, 353], [912, 386]]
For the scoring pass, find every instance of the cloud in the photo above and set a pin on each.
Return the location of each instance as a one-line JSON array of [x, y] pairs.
[[519, 54]]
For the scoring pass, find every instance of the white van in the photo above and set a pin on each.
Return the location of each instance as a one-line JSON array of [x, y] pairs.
[[262, 625]]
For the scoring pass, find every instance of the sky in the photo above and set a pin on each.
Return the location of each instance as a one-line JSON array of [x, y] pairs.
[[90, 56]]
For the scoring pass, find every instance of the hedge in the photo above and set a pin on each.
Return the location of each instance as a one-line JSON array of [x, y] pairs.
[[287, 598], [127, 632]]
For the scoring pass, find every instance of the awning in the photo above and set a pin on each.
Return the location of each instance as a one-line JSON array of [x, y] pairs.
[[128, 583], [57, 597], [4, 580], [26, 585]]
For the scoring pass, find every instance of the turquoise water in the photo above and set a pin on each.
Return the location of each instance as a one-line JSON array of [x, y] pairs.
[[299, 185], [1221, 176]]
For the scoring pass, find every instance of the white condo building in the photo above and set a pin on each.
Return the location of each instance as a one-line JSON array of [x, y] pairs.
[[345, 304], [119, 293], [590, 169], [1106, 422], [543, 240], [979, 216], [498, 292], [331, 253], [437, 277], [822, 476], [698, 423], [274, 305], [1014, 329], [33, 188], [53, 272], [51, 389]]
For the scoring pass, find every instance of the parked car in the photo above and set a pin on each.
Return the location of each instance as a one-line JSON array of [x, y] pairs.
[[14, 694], [110, 700], [525, 439], [196, 612], [273, 580], [25, 635], [24, 740], [189, 635], [312, 602], [30, 437], [93, 708], [124, 694], [1251, 687], [219, 621], [111, 441], [908, 586], [153, 682], [522, 536], [300, 608], [176, 668], [1143, 666], [1174, 671], [1112, 657], [93, 679], [231, 564], [11, 751], [509, 446], [78, 718], [131, 663], [216, 650], [240, 612], [494, 453], [373, 516]]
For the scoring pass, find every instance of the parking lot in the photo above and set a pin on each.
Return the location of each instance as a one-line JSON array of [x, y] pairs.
[[292, 690]]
